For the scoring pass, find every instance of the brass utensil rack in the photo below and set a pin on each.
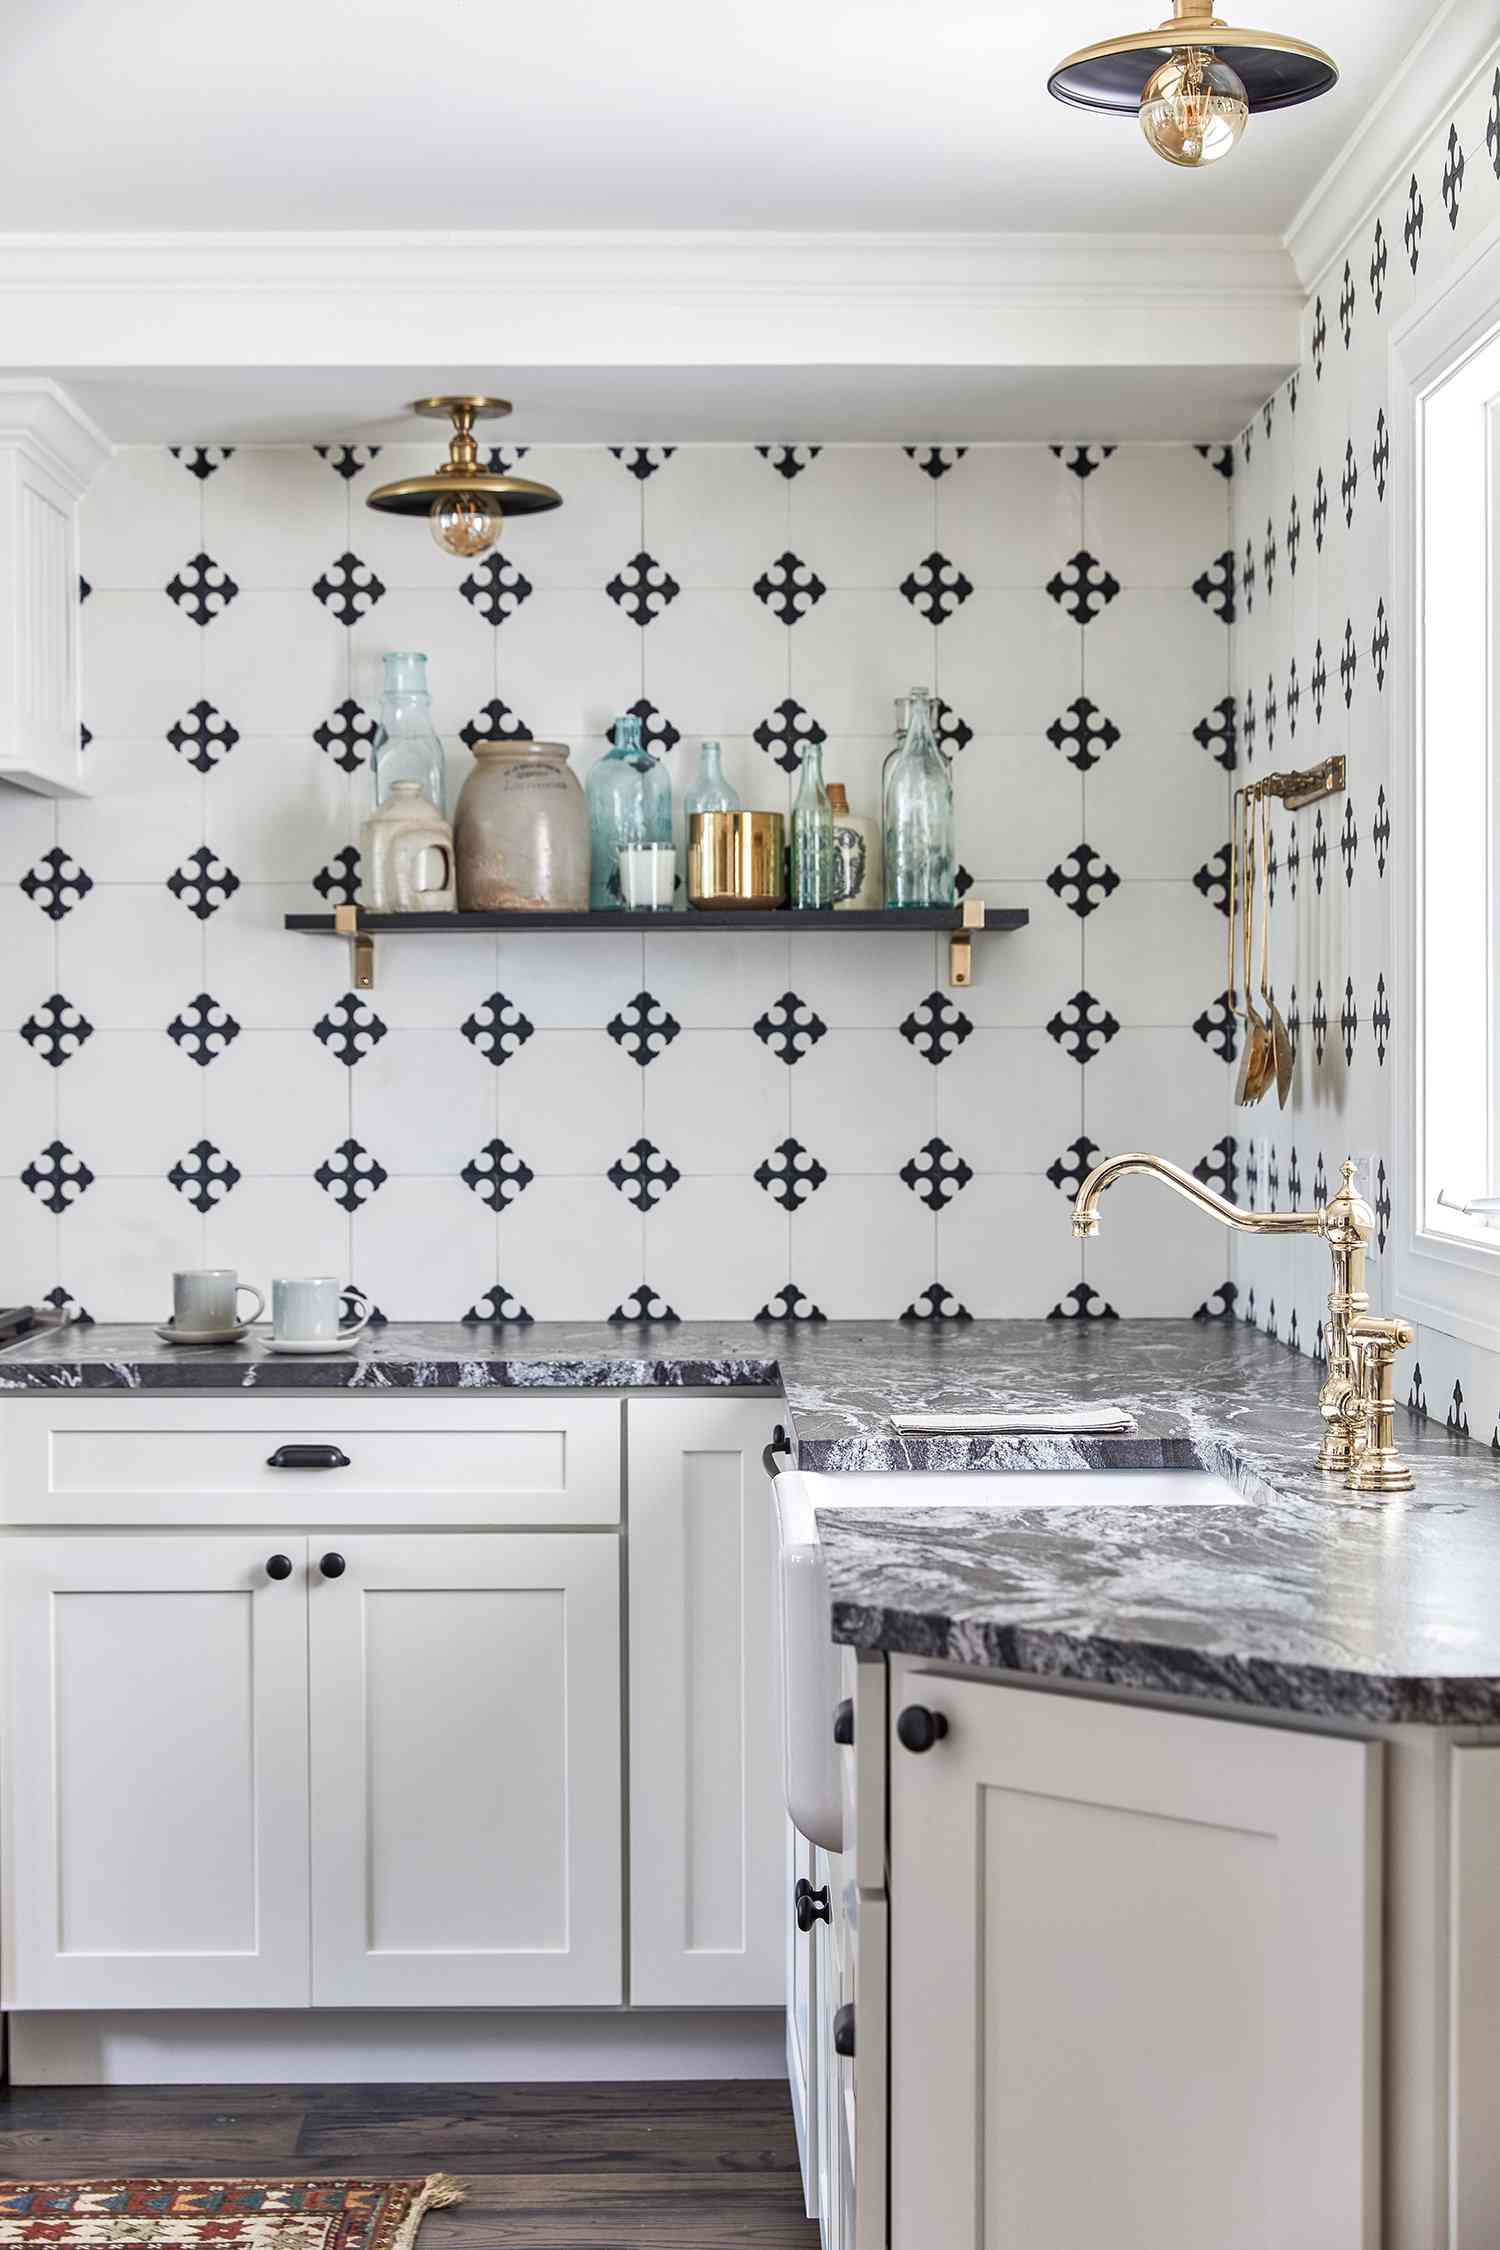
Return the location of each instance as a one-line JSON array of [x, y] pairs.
[[1305, 786]]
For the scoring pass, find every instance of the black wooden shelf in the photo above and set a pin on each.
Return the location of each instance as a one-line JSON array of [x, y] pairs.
[[948, 918]]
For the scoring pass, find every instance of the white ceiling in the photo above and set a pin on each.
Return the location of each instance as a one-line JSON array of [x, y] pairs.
[[822, 114]]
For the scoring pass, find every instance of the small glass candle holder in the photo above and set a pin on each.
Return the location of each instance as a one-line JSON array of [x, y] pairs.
[[648, 877]]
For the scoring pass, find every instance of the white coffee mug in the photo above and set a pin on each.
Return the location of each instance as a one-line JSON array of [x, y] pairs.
[[205, 1299], [307, 1311]]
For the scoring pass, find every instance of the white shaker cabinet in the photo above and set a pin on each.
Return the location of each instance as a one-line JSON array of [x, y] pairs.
[[1134, 1978], [709, 1899], [155, 1773]]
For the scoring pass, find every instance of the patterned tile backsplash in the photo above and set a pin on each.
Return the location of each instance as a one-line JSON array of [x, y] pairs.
[[1312, 648], [723, 1125]]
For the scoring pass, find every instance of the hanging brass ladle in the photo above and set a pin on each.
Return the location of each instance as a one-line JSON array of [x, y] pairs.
[[1282, 1058], [1258, 1062]]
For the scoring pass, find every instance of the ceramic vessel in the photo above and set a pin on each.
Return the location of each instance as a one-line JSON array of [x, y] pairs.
[[406, 855], [521, 829]]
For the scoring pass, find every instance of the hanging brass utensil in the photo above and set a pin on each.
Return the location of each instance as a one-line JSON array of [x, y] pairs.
[[1282, 1058], [1256, 1063]]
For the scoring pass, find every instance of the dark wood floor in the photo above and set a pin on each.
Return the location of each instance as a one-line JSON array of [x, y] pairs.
[[703, 2166]]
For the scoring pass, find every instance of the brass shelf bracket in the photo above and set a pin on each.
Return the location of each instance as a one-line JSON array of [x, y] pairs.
[[1306, 786], [361, 946], [961, 944]]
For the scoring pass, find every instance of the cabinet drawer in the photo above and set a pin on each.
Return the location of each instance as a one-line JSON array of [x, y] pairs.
[[438, 1460]]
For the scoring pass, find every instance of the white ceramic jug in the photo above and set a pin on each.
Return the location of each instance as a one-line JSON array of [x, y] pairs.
[[406, 855]]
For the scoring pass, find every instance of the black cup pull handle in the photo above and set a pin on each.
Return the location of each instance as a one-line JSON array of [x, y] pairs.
[[279, 1566], [780, 1443], [332, 1565], [308, 1457], [843, 2029], [843, 1722]]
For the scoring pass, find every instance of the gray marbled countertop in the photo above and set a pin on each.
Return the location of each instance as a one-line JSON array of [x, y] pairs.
[[1302, 1598]]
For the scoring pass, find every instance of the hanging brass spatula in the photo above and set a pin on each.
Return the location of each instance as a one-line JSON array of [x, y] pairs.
[[1257, 1064], [1282, 1058]]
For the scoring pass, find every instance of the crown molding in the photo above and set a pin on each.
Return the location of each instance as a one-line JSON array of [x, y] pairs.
[[1460, 41], [38, 418]]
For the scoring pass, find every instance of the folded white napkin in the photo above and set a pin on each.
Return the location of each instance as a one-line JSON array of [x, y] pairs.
[[1079, 1421]]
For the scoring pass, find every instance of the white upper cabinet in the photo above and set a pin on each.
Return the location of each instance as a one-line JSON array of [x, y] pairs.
[[49, 450]]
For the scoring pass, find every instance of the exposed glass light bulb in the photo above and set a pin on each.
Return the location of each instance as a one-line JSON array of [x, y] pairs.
[[1193, 107], [464, 523]]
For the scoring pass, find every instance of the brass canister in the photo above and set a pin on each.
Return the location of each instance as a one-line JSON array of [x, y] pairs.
[[736, 859]]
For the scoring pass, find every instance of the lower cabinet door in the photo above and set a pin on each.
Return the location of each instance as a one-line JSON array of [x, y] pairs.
[[465, 1731], [155, 1792]]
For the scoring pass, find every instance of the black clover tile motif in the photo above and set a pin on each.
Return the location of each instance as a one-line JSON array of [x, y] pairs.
[[1212, 879], [201, 460], [1083, 587], [202, 735], [1250, 725], [1349, 842], [1083, 880], [963, 881], [1293, 534], [790, 1028], [1220, 457], [1319, 853], [495, 589], [1348, 663], [57, 1177], [1082, 1303], [350, 1030], [339, 880], [1084, 1026], [936, 587], [348, 588], [790, 588], [1083, 460], [1215, 587], [1380, 831], [1380, 454], [790, 1174], [1492, 127], [643, 589], [936, 1303], [1348, 1019], [497, 1175], [70, 1312], [783, 735], [1416, 1397], [347, 460], [497, 722], [504, 460], [1270, 708], [1220, 1168], [497, 1028], [1273, 868], [789, 460], [1247, 442], [657, 730], [1221, 1305], [936, 1028], [1416, 219], [56, 884], [643, 461], [1382, 1205], [1069, 1171], [346, 734], [203, 882], [936, 1173], [1319, 682], [56, 1030], [1318, 1023], [84, 591], [203, 1029], [204, 1175], [1293, 697], [790, 1303], [1294, 1181], [1320, 511], [1346, 305], [645, 1029], [952, 732], [1268, 558], [1216, 733], [1293, 869], [1453, 176], [202, 589], [351, 1175], [1083, 733], [1247, 580], [1268, 415], [1349, 483], [497, 1308], [643, 1175], [1380, 646], [1379, 262], [1457, 1419], [643, 1308], [1216, 1028], [1319, 339], [935, 460], [1320, 1183]]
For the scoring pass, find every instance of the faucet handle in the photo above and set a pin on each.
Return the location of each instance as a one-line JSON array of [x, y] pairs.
[[1378, 1467]]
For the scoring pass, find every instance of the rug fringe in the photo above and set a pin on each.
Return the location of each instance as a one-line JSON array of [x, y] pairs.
[[438, 2191]]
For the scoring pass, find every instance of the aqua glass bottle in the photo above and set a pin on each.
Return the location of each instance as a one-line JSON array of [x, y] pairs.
[[406, 745], [812, 834], [917, 817], [630, 802], [709, 791]]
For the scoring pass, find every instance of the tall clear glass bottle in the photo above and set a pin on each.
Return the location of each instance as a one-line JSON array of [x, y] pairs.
[[406, 745], [812, 834], [709, 791], [630, 802], [918, 817]]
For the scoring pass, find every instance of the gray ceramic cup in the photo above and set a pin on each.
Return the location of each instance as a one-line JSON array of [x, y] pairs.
[[205, 1299], [307, 1311]]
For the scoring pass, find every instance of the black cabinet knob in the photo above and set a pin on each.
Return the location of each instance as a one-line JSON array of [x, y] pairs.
[[917, 1728], [279, 1566], [332, 1566], [843, 2029], [843, 1721], [809, 1905], [308, 1457]]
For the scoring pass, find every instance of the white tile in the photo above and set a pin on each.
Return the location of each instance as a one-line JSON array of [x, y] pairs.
[[28, 1112], [863, 979], [28, 827], [129, 957], [141, 517], [563, 981], [1156, 515], [716, 662], [596, 530], [271, 1227], [1156, 661], [1156, 1259], [28, 956], [280, 1100], [424, 1101], [863, 1101], [119, 1258], [1010, 1101], [141, 663], [853, 653], [568, 662], [1154, 953], [275, 663], [1018, 806], [275, 515], [569, 1101], [1004, 1248], [863, 515], [717, 1101], [571, 1249], [130, 1102], [271, 978], [871, 1245], [456, 640], [1023, 976], [276, 810], [716, 513], [717, 979], [1010, 514], [423, 1249], [29, 1232], [1157, 806], [1011, 660], [717, 1249], [1165, 1092], [145, 814]]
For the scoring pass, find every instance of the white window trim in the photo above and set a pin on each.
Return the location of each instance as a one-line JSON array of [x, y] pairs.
[[1441, 1280]]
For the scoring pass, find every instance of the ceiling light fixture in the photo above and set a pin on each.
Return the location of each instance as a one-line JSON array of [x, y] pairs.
[[465, 504], [1193, 80]]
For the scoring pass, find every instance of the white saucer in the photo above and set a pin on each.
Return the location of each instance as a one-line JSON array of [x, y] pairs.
[[311, 1351], [171, 1335]]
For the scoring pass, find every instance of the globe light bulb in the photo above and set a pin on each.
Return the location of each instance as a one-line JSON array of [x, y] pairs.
[[1193, 108], [464, 523]]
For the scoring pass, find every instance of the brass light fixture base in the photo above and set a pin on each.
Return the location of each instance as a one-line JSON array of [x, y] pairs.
[[461, 472], [1276, 70]]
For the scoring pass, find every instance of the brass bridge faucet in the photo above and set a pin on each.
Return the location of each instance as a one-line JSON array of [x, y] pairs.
[[1357, 1399]]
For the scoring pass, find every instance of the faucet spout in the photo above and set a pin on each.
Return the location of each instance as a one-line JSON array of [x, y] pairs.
[[1086, 1206]]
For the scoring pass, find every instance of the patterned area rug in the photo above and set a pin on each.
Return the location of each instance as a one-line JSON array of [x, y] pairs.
[[219, 2214]]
